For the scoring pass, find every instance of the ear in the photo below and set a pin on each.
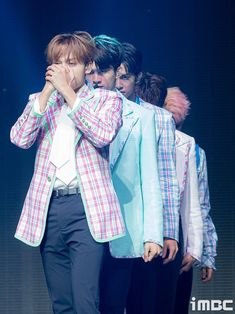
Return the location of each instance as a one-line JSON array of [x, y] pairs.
[[88, 67]]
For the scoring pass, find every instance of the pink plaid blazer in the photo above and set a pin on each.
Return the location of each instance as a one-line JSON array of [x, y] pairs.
[[97, 119]]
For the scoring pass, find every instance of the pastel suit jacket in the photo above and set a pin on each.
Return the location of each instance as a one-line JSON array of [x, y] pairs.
[[166, 158], [210, 237], [134, 170], [97, 118], [190, 211]]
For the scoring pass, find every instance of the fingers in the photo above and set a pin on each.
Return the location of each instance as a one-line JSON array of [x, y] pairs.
[[171, 248], [59, 76], [151, 250], [164, 250], [171, 256], [203, 274], [185, 268], [187, 263], [58, 67], [210, 272], [49, 73], [175, 252], [206, 274], [146, 252], [152, 254]]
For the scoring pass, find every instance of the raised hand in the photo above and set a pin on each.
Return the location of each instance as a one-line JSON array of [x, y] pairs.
[[59, 76]]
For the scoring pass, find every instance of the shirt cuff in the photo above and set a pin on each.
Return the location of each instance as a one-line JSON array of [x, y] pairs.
[[171, 234], [194, 255], [76, 105], [36, 108], [208, 261], [155, 242]]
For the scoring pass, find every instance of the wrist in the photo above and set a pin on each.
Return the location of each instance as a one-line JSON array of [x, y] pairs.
[[43, 99], [47, 90], [69, 96]]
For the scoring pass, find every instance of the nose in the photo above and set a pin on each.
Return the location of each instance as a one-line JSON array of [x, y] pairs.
[[96, 79], [118, 84], [64, 64]]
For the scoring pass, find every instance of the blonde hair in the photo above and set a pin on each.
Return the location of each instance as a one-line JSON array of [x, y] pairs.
[[80, 44], [177, 103]]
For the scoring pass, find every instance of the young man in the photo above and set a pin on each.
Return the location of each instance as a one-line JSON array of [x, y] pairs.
[[187, 176], [128, 75], [176, 103], [210, 238], [135, 177], [71, 206]]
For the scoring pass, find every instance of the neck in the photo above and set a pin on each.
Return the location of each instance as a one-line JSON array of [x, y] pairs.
[[132, 97], [78, 88]]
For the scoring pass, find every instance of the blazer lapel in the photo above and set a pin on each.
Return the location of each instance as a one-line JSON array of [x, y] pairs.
[[177, 139], [55, 103], [129, 119], [86, 93], [182, 156]]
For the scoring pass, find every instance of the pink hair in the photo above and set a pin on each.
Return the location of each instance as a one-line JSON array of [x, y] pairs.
[[177, 103]]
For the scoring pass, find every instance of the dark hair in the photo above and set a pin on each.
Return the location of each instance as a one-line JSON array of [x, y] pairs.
[[108, 52], [132, 59], [79, 43], [152, 88]]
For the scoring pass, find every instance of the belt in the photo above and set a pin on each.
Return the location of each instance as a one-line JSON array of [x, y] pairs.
[[64, 192]]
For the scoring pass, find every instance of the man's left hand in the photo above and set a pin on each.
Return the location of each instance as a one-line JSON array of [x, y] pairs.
[[170, 249], [151, 250], [206, 274]]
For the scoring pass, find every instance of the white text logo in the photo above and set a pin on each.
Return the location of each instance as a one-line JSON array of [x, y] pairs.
[[211, 305]]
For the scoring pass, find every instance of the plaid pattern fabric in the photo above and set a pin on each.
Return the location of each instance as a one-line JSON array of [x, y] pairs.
[[167, 172], [209, 233], [97, 118]]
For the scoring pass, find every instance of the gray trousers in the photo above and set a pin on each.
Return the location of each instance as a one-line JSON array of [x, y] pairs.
[[71, 258]]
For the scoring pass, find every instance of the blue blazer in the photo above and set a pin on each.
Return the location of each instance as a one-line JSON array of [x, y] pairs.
[[133, 162]]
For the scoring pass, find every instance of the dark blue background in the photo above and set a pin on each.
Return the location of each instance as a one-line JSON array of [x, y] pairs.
[[191, 43]]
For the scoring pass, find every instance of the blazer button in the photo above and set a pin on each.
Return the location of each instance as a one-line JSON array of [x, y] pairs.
[[49, 179]]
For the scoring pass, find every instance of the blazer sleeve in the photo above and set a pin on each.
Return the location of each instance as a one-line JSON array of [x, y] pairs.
[[168, 178], [209, 232], [25, 131], [195, 226], [151, 191], [98, 126]]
